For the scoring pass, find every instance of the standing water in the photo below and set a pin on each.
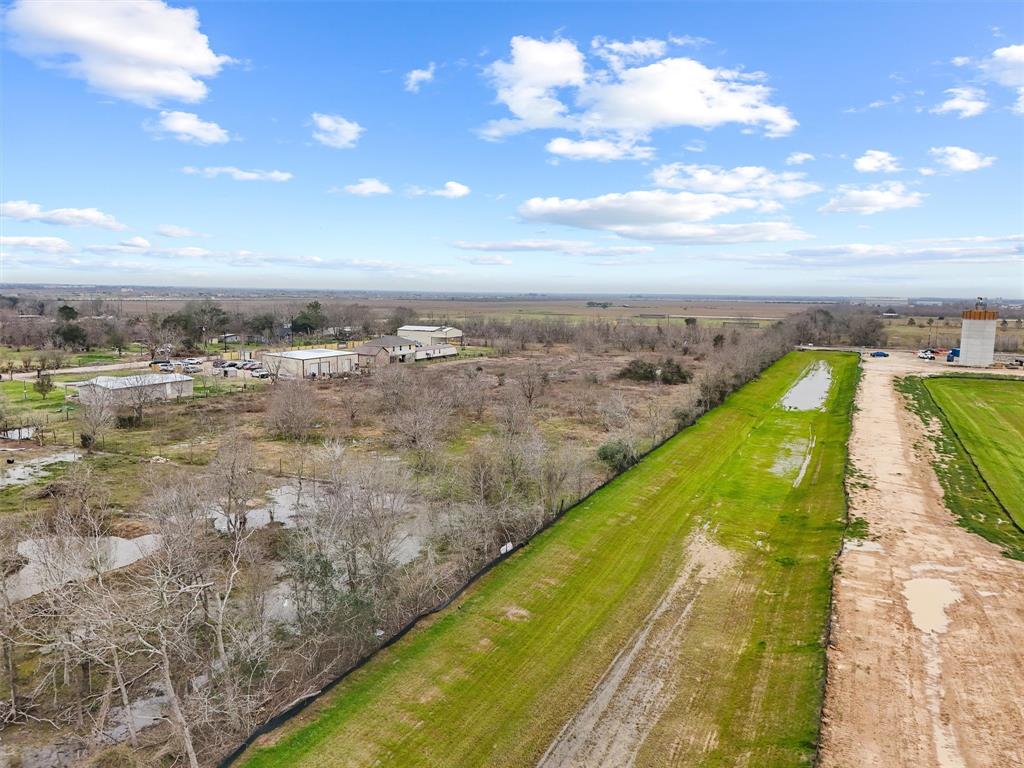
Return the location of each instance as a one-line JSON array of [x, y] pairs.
[[811, 391]]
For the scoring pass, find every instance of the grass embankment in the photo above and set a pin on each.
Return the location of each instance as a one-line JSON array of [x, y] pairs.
[[979, 441], [492, 679]]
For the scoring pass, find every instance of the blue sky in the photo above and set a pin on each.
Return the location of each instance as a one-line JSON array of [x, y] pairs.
[[768, 148]]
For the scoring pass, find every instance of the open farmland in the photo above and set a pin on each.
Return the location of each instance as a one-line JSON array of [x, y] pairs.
[[675, 617], [987, 416]]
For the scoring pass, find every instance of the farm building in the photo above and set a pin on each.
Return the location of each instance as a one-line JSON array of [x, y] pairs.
[[310, 362], [127, 389], [431, 335], [977, 337], [384, 351], [436, 350]]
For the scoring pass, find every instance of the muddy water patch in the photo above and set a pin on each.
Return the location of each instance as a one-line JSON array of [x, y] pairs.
[[927, 599], [811, 391], [29, 470]]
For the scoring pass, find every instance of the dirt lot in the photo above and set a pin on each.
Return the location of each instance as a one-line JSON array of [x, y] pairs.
[[926, 664]]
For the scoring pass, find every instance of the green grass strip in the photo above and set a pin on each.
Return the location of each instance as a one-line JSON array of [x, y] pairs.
[[491, 680]]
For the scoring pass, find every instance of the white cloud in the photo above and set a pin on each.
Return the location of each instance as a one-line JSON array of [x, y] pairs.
[[749, 180], [36, 244], [451, 189], [368, 187], [926, 171], [22, 210], [136, 245], [981, 250], [1006, 67], [630, 99], [799, 158], [960, 61], [415, 78], [143, 51], [876, 198], [966, 102], [211, 172], [960, 159], [598, 149], [487, 259], [188, 127], [335, 131], [172, 230], [660, 216], [690, 40], [567, 247], [877, 161]]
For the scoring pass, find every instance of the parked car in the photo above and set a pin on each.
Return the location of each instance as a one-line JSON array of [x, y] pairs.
[[925, 354], [250, 365], [192, 369], [232, 364], [192, 361], [260, 373], [218, 363], [165, 368], [157, 364], [879, 353]]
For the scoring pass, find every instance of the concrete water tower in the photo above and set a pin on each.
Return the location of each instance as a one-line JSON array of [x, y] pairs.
[[978, 335]]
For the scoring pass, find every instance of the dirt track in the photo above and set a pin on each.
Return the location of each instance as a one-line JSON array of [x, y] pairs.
[[926, 665]]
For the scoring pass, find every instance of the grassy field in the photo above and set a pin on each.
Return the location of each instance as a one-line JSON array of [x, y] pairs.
[[988, 417], [979, 436], [492, 679]]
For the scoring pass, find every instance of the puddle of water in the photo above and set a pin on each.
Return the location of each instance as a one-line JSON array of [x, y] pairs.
[[928, 598], [283, 505], [104, 553], [789, 458], [28, 470], [20, 433], [811, 391], [144, 713]]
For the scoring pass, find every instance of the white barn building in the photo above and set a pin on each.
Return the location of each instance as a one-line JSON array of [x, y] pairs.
[[124, 389], [431, 335], [310, 362]]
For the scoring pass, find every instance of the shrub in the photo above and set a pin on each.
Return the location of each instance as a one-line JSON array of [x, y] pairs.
[[667, 371], [639, 370], [618, 455]]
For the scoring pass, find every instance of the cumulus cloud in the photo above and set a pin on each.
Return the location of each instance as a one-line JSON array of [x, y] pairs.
[[965, 102], [960, 159], [212, 172], [143, 51], [598, 149], [172, 230], [368, 187], [660, 216], [415, 78], [546, 84], [36, 244], [748, 180], [965, 250], [877, 161], [188, 127], [487, 259], [1006, 67], [876, 198], [22, 210], [335, 131], [451, 189], [799, 158]]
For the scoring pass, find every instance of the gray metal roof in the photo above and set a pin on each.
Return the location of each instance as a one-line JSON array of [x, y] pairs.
[[309, 354], [137, 380]]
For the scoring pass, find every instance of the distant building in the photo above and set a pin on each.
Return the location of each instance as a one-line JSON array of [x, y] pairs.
[[310, 362], [124, 389], [977, 337], [436, 350], [384, 351], [431, 335]]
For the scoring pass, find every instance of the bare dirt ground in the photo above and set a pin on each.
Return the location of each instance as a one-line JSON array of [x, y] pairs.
[[926, 663], [635, 690]]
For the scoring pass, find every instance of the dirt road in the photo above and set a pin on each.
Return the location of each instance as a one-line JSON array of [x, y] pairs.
[[926, 664]]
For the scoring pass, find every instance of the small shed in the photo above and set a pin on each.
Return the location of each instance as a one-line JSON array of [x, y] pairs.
[[431, 335], [436, 350], [310, 362]]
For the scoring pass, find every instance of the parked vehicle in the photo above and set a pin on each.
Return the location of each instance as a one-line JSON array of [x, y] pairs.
[[192, 361], [165, 368], [926, 354], [879, 353], [157, 364], [192, 369], [219, 363], [250, 365], [231, 364], [260, 373]]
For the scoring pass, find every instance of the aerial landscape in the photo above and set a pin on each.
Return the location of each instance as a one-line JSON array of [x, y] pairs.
[[533, 385]]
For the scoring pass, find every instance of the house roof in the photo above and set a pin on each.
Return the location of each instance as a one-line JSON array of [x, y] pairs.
[[389, 341], [309, 354], [140, 380], [427, 328], [366, 349]]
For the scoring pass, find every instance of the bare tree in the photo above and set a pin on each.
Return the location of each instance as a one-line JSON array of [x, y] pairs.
[[533, 382], [137, 394], [294, 409], [96, 416]]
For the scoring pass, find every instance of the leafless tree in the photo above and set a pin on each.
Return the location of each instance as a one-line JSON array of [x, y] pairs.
[[294, 409], [96, 416], [533, 382], [137, 394]]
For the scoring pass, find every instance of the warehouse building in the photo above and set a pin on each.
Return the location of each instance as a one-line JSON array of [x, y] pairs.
[[309, 362], [132, 389], [431, 335], [977, 337]]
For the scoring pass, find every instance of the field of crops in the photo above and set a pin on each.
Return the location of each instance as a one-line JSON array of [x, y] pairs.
[[675, 617], [987, 416]]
